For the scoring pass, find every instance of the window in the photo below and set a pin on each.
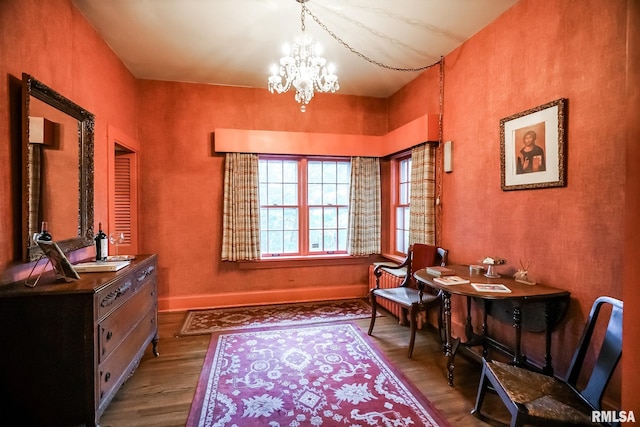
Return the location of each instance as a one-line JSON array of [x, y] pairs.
[[401, 204], [304, 206]]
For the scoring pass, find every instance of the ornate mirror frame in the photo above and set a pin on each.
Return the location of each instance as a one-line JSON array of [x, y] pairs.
[[34, 88]]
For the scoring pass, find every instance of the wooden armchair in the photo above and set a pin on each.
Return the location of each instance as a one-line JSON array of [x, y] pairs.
[[537, 399], [409, 295]]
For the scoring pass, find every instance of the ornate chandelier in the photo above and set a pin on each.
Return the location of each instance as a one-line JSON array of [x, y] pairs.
[[303, 68]]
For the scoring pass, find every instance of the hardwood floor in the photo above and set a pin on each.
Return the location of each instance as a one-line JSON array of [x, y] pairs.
[[159, 394]]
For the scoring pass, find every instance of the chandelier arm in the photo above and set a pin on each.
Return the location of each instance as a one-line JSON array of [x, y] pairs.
[[361, 55]]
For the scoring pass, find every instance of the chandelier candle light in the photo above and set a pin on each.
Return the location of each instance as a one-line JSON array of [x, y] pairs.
[[303, 68]]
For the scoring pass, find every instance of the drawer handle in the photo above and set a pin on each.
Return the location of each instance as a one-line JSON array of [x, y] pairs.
[[109, 335], [107, 376], [146, 273], [115, 294]]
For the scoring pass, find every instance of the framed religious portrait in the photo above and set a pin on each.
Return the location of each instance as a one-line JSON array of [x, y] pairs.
[[533, 147]]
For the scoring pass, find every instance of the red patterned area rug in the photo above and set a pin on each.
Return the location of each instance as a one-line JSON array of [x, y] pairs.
[[316, 375], [199, 322]]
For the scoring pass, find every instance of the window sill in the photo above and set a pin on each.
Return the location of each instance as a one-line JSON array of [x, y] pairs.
[[309, 261]]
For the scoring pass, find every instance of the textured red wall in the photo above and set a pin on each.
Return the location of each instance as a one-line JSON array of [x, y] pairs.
[[182, 210], [54, 43], [631, 327], [536, 52]]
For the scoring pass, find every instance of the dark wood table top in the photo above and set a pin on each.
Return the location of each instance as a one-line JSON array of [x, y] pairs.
[[519, 290]]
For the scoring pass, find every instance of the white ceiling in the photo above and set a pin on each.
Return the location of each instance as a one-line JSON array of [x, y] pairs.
[[234, 42]]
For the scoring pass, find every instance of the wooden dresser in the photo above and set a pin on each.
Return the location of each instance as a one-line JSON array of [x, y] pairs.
[[66, 348]]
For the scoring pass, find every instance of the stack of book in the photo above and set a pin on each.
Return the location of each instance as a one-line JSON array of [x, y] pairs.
[[440, 271]]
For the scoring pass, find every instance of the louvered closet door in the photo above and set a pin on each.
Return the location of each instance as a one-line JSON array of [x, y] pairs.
[[124, 217]]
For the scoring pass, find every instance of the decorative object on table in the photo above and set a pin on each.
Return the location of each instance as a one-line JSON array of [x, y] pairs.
[[116, 238], [491, 263], [61, 265], [44, 233], [199, 322], [533, 146], [102, 244], [475, 268], [522, 275], [328, 374]]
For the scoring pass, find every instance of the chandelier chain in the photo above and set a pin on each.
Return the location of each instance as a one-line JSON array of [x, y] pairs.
[[354, 51]]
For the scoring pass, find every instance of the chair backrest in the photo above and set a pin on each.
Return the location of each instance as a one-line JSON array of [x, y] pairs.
[[607, 358], [422, 256]]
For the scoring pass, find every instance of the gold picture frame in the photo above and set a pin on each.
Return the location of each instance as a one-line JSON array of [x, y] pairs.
[[533, 147]]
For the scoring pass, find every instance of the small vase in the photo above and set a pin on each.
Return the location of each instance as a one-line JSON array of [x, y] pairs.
[[491, 272]]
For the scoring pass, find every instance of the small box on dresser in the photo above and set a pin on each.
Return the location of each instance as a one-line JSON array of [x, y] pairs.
[[66, 348]]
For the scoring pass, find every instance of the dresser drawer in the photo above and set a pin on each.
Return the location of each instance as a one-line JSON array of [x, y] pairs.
[[118, 292], [117, 326], [122, 361]]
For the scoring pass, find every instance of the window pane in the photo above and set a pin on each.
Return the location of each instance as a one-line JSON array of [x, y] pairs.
[[404, 194], [264, 241], [399, 218], [262, 170], [330, 240], [290, 194], [290, 219], [315, 240], [400, 241], [315, 194], [406, 241], [314, 173], [275, 242], [274, 194], [315, 218], [329, 172], [343, 217], [330, 218], [344, 172], [290, 171], [274, 171], [342, 240], [328, 194], [275, 219], [290, 242], [263, 219], [406, 218], [343, 194], [262, 190]]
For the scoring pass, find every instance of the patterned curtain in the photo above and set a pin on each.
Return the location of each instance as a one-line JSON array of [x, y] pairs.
[[241, 216], [364, 207], [422, 195]]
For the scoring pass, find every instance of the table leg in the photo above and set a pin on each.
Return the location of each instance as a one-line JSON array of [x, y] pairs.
[[547, 368], [517, 326], [485, 329], [448, 345]]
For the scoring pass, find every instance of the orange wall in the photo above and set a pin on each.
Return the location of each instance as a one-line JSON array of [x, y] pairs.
[[53, 42], [182, 210], [538, 51], [631, 325]]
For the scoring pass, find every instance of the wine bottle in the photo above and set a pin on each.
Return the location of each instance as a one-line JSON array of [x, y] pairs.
[[44, 232], [102, 244]]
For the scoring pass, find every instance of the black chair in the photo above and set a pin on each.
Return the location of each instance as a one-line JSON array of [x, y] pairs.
[[409, 295], [534, 398]]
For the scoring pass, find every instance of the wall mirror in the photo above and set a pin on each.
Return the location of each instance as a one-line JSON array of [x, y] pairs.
[[57, 169]]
